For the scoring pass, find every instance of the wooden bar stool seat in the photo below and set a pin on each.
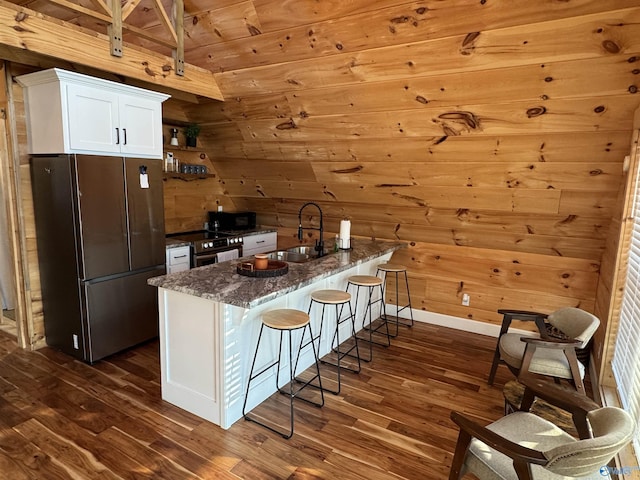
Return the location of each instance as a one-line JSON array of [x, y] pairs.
[[396, 269], [285, 320], [339, 299], [370, 282]]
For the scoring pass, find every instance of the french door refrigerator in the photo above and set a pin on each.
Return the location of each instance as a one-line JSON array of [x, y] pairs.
[[100, 236]]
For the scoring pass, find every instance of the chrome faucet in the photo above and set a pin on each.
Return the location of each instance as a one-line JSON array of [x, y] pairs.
[[319, 243]]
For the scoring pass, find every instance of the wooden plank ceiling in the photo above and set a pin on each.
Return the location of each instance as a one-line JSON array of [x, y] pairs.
[[489, 134]]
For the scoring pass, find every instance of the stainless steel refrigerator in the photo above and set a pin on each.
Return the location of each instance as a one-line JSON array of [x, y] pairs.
[[100, 236]]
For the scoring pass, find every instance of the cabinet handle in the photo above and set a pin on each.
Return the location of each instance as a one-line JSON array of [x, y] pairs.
[[260, 241], [180, 256], [117, 136], [124, 130]]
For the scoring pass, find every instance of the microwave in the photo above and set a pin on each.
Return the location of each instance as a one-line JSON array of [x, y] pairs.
[[231, 221]]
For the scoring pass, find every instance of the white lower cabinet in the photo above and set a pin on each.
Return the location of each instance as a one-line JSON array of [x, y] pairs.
[[178, 259], [260, 243]]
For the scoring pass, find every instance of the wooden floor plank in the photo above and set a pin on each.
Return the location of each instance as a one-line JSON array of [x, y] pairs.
[[61, 418]]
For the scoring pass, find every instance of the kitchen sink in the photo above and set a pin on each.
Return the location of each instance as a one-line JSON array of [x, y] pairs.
[[305, 250], [287, 256], [300, 254]]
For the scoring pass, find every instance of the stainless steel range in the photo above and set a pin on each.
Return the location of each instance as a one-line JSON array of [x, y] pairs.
[[209, 247]]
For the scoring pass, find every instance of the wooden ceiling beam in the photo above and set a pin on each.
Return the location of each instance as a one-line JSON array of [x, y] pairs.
[[38, 33], [103, 16], [101, 5], [109, 19], [129, 8], [164, 19]]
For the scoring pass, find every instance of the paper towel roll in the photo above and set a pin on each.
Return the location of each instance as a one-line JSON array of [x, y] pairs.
[[345, 234]]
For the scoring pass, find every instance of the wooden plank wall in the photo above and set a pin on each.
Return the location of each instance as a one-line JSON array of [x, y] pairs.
[[488, 134], [33, 318]]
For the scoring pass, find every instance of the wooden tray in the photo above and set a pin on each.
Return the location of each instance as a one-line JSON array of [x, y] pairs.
[[275, 268]]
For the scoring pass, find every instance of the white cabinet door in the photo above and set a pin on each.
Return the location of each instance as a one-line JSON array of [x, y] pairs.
[[260, 243], [141, 126], [72, 113], [93, 119]]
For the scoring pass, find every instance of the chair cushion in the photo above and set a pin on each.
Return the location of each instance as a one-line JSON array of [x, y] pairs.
[[576, 323], [612, 429], [545, 361], [523, 428]]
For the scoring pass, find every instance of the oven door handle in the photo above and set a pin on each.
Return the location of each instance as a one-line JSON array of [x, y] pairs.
[[204, 258]]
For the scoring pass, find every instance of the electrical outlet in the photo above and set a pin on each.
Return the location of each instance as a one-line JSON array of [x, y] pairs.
[[465, 299]]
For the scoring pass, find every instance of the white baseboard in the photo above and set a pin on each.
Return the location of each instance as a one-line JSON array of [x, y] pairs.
[[465, 324]]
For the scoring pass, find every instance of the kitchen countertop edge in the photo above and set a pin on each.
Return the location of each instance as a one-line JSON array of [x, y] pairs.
[[220, 282]]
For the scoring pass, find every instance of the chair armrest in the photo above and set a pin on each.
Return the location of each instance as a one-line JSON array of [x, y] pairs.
[[522, 314], [498, 442], [564, 398], [574, 402], [509, 315], [551, 342]]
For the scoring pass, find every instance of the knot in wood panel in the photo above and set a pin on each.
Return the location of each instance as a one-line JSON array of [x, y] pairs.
[[418, 201], [610, 46], [253, 30], [536, 112], [468, 44], [287, 125], [147, 70], [458, 121], [349, 170]]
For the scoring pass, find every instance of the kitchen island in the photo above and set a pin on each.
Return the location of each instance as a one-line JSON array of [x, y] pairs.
[[210, 320]]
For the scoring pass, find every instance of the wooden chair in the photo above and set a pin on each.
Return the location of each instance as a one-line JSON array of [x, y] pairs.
[[546, 355], [524, 446]]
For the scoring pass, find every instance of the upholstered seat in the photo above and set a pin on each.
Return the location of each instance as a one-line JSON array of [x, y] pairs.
[[522, 446], [546, 355]]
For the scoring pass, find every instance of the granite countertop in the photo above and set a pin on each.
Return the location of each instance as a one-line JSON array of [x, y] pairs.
[[174, 243], [220, 282], [247, 233]]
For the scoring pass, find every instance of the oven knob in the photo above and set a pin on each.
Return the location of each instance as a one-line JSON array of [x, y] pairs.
[[232, 240], [207, 245]]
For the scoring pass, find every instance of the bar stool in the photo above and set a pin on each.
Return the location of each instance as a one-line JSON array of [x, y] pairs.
[[395, 268], [339, 299], [370, 282], [285, 320]]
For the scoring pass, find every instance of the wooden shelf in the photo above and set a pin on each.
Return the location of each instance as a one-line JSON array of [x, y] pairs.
[[187, 177], [182, 148]]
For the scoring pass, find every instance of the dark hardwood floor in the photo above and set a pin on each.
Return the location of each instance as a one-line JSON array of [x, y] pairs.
[[63, 419]]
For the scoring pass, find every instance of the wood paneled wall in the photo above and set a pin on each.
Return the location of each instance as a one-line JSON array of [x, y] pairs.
[[488, 134]]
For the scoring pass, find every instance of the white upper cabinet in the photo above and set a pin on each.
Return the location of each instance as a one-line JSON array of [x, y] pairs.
[[73, 113]]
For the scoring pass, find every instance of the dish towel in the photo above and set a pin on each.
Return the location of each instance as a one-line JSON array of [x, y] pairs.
[[228, 255]]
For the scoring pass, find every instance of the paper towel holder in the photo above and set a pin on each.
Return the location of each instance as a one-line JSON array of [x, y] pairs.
[[341, 242]]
